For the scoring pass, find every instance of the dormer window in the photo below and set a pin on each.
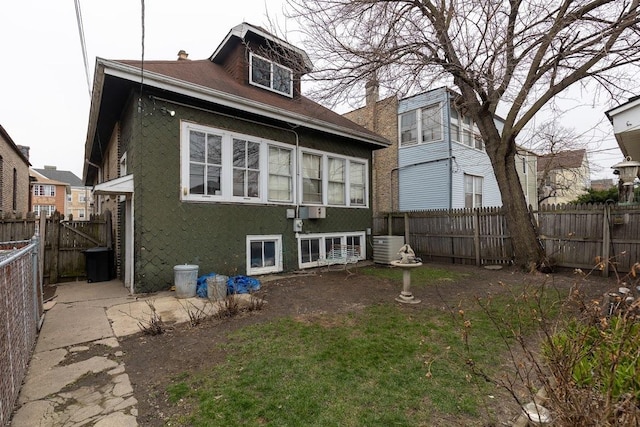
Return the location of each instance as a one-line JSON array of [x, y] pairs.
[[269, 75]]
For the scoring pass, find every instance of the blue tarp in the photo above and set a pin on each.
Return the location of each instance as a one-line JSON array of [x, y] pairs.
[[235, 285], [201, 285], [242, 284]]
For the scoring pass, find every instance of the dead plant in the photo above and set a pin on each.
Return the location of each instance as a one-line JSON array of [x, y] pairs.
[[153, 325]]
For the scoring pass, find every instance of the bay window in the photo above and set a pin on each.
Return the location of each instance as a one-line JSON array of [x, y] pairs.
[[223, 166]]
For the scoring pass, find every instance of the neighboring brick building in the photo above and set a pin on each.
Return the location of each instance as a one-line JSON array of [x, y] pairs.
[[14, 176], [381, 117], [60, 190]]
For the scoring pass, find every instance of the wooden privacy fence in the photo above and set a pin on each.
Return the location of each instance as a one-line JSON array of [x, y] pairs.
[[576, 236], [64, 242]]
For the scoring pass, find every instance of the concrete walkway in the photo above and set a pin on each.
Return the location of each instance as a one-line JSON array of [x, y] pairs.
[[76, 376]]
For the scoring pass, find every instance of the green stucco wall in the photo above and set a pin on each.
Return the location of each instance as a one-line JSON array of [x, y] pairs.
[[169, 231]]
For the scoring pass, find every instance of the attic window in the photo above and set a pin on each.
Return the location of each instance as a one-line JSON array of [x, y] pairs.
[[269, 75]]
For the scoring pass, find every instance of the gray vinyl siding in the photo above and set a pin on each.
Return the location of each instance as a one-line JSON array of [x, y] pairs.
[[473, 162], [422, 100], [425, 169], [425, 186]]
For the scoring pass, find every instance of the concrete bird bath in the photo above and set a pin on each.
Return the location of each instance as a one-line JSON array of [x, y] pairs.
[[406, 263]]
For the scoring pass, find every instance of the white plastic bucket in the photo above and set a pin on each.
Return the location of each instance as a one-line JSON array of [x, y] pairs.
[[217, 287], [186, 278]]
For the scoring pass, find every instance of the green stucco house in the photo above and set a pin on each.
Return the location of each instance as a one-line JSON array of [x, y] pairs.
[[223, 163]]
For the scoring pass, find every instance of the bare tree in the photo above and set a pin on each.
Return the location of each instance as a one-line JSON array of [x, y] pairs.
[[510, 56], [560, 163]]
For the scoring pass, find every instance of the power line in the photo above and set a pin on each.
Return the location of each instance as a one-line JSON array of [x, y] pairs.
[[83, 44]]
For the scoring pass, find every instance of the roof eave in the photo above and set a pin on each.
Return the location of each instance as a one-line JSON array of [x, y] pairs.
[[161, 81]]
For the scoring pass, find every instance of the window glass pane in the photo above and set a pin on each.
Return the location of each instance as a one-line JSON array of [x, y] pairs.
[[253, 155], [196, 146], [431, 124], [408, 129], [214, 149], [357, 183], [455, 132], [281, 79], [269, 253], [256, 254], [280, 179], [246, 162], [478, 142], [336, 181], [239, 152], [253, 184], [311, 178], [213, 180], [238, 182], [260, 71], [309, 250], [196, 178]]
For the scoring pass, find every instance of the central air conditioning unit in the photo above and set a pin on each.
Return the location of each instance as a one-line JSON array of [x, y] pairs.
[[385, 248]]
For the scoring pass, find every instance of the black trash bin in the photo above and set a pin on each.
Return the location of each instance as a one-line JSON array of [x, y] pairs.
[[99, 264]]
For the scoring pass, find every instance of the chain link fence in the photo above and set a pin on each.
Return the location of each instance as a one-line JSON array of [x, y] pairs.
[[20, 313]]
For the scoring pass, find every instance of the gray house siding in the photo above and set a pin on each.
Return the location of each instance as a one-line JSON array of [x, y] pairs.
[[424, 173], [169, 231], [473, 162], [431, 174]]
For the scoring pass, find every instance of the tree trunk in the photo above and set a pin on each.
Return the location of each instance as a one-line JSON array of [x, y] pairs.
[[528, 251]]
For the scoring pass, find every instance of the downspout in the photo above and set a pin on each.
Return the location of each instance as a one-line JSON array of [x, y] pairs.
[[449, 175]]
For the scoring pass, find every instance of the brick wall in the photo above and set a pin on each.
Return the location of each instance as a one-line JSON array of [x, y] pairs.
[[382, 118], [11, 160]]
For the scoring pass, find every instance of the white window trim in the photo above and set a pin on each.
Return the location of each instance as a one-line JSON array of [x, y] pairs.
[[462, 126], [277, 267], [272, 63], [325, 178], [226, 178], [322, 236], [474, 189], [418, 113]]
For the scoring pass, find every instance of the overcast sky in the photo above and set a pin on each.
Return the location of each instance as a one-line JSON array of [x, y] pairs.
[[44, 98]]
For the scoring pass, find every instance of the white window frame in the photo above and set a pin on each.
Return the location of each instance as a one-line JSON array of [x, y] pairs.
[[465, 126], [419, 126], [46, 190], [48, 209], [324, 166], [277, 267], [226, 175], [322, 245], [273, 65], [477, 184]]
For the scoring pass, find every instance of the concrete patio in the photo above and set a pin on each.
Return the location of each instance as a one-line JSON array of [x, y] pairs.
[[78, 340]]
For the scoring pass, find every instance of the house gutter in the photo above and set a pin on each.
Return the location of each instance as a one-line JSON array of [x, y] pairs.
[[181, 87]]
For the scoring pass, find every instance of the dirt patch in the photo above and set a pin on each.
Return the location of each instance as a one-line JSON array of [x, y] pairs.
[[154, 362]]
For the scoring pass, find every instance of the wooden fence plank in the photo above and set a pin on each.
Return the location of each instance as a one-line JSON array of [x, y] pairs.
[[573, 236]]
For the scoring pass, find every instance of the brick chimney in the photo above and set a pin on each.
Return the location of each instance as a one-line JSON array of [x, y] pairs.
[[182, 55], [24, 150], [372, 93]]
